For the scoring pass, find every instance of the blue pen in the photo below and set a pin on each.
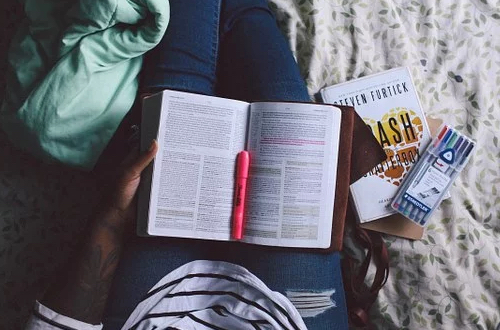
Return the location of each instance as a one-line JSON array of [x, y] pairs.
[[459, 147], [444, 158], [458, 144], [466, 154], [402, 204], [444, 141], [463, 147], [429, 158], [450, 134], [414, 212]]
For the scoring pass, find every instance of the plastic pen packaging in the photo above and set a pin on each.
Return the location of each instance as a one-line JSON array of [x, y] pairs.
[[429, 180]]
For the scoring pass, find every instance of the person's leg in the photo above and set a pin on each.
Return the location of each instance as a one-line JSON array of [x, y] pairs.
[[255, 61], [186, 57], [312, 281], [307, 279], [252, 62], [143, 263], [255, 64]]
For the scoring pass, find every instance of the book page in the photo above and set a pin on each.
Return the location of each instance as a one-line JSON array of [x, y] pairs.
[[293, 150], [193, 177]]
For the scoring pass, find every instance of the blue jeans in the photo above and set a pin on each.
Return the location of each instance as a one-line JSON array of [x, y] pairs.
[[232, 49], [146, 260]]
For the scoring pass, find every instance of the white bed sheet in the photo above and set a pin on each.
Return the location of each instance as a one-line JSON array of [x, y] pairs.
[[451, 278]]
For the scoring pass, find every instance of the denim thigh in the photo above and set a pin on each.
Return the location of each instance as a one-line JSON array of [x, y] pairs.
[[293, 273], [230, 48], [186, 57]]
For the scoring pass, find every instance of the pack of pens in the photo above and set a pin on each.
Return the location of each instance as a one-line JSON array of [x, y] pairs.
[[429, 180]]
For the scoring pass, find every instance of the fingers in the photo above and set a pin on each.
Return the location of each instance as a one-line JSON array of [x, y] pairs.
[[130, 158], [137, 166]]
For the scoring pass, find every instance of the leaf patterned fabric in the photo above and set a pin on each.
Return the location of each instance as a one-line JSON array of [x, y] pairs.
[[448, 280], [451, 278]]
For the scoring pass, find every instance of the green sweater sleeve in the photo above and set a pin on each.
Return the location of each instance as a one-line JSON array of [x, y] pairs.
[[73, 74]]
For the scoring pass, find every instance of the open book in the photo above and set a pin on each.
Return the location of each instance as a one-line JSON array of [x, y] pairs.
[[188, 191]]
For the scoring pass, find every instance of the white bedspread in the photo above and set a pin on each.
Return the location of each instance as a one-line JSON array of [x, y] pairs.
[[451, 278]]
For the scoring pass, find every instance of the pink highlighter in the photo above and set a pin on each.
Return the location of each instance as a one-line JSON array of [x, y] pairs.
[[242, 168]]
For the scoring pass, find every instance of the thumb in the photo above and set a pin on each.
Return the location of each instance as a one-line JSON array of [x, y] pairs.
[[136, 167]]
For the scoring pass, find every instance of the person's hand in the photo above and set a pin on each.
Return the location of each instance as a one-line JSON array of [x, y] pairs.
[[81, 289], [122, 199]]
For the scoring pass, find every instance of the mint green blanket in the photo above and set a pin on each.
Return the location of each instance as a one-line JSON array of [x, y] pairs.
[[73, 74]]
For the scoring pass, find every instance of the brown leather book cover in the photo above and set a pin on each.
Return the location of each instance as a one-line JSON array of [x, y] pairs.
[[359, 152], [343, 178]]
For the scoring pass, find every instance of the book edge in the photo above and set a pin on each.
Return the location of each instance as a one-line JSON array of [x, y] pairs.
[[144, 198]]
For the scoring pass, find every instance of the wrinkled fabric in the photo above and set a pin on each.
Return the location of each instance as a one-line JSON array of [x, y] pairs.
[[73, 74], [200, 294], [450, 278]]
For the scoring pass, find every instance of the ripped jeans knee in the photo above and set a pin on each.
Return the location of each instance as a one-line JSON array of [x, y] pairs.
[[310, 303]]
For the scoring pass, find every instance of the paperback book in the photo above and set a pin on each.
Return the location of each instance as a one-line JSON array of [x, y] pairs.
[[390, 107]]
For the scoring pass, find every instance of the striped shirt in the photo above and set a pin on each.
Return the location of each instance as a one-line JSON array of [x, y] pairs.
[[199, 295]]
